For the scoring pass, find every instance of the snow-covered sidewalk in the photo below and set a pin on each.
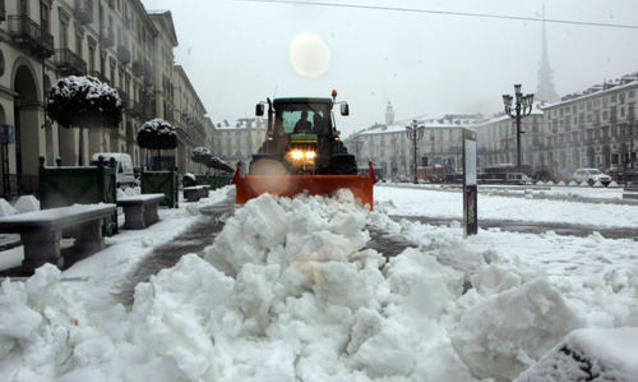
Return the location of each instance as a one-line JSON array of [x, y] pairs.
[[449, 204]]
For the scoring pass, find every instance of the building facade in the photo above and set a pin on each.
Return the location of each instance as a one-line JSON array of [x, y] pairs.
[[117, 41], [496, 142], [391, 151], [594, 128], [238, 141]]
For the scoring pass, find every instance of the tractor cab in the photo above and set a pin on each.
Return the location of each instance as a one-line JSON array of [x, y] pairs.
[[302, 136]]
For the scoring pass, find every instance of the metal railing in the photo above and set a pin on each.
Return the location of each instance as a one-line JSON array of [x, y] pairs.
[[69, 62], [27, 32]]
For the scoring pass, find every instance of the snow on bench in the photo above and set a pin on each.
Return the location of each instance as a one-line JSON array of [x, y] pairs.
[[589, 355], [140, 211], [194, 193], [41, 231]]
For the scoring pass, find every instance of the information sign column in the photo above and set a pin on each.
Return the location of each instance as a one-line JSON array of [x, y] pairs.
[[470, 188]]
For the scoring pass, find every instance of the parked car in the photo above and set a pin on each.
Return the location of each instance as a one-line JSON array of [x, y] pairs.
[[591, 176], [124, 174]]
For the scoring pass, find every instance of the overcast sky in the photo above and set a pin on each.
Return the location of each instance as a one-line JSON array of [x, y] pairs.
[[237, 53]]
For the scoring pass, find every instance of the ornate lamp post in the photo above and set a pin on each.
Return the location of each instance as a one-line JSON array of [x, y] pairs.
[[522, 108], [415, 133]]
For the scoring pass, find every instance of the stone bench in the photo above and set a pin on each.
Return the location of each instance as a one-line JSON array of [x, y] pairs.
[[193, 194], [140, 211], [630, 195], [41, 231]]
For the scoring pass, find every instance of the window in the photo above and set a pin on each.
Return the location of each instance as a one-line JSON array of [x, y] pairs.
[[64, 36], [91, 66], [45, 16], [78, 44]]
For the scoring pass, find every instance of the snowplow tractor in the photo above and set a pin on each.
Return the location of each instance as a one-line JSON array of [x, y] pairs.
[[302, 152]]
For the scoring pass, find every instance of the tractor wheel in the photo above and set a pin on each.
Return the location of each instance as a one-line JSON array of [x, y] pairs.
[[268, 164], [343, 164]]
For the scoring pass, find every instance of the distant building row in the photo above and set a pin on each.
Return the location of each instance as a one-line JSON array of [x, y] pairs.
[[595, 128], [117, 41]]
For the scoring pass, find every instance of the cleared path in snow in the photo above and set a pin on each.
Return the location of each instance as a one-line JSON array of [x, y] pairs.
[[194, 239]]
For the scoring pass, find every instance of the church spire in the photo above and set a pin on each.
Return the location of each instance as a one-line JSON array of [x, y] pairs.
[[389, 115], [546, 91]]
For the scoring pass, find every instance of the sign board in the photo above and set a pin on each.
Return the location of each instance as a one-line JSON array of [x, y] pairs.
[[470, 188], [7, 135]]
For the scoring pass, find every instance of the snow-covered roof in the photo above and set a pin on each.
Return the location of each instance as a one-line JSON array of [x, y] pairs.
[[537, 111], [432, 123], [241, 123], [625, 82]]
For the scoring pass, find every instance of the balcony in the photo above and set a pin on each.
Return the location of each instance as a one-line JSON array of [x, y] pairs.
[[69, 63], [106, 38], [28, 34], [138, 67], [123, 54], [83, 11]]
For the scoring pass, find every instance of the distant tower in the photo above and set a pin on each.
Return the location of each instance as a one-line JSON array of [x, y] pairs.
[[389, 114], [546, 91]]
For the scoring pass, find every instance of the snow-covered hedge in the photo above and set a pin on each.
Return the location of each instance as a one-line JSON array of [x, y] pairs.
[[200, 154], [84, 101], [217, 163], [157, 134]]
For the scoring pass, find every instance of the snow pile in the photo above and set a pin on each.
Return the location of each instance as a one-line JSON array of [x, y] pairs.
[[6, 209], [589, 354], [561, 183], [27, 203], [290, 291], [502, 336], [613, 184], [598, 184], [573, 183]]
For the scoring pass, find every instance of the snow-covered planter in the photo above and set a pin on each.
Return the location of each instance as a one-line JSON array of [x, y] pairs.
[[157, 134], [200, 154], [218, 164], [84, 102]]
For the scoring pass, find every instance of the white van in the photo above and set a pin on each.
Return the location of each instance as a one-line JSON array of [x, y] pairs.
[[124, 175]]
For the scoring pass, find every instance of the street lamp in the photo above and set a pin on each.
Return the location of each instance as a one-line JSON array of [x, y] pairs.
[[522, 108], [415, 133]]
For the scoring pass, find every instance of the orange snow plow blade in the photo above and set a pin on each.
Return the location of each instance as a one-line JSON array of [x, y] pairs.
[[251, 186]]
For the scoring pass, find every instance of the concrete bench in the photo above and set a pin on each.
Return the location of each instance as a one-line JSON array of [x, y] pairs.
[[630, 195], [193, 194], [140, 211], [41, 231]]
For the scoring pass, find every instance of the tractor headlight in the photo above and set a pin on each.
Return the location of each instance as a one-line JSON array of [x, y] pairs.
[[296, 154], [310, 154]]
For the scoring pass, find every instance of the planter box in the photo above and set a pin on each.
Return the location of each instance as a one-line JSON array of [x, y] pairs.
[[65, 186], [161, 182]]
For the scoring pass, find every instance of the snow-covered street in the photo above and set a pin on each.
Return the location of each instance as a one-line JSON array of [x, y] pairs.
[[302, 290]]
